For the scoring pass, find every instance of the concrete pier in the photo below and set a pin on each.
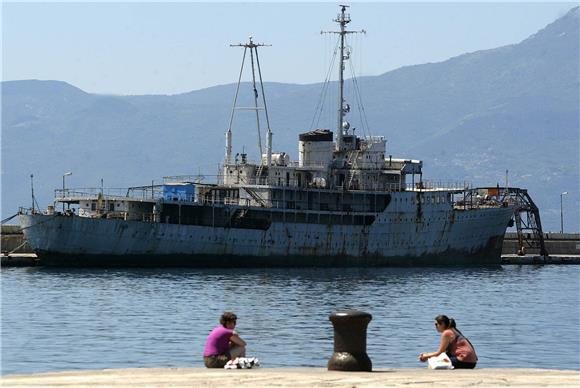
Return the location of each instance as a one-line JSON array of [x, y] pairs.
[[297, 377], [19, 260], [540, 260], [556, 244]]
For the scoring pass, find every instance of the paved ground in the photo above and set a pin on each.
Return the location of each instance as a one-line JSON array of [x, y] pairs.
[[297, 377]]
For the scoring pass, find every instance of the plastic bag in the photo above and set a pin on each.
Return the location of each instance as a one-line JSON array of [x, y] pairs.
[[243, 363], [441, 361]]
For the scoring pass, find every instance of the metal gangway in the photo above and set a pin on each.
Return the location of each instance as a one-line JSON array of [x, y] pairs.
[[526, 214], [527, 221]]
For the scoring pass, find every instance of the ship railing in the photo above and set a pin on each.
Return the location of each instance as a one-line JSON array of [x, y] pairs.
[[26, 210], [88, 193], [374, 139], [437, 186], [262, 181], [231, 201], [199, 178], [292, 184], [413, 186], [228, 201], [153, 192], [478, 198], [296, 163]]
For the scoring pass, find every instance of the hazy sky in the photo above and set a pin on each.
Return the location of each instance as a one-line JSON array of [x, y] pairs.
[[168, 48]]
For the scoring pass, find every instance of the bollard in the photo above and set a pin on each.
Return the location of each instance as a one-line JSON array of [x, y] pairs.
[[350, 341]]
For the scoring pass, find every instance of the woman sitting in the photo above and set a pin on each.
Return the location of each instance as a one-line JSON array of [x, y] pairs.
[[458, 348], [223, 343]]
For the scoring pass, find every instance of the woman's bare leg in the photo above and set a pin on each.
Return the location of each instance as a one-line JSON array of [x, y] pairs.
[[238, 351]]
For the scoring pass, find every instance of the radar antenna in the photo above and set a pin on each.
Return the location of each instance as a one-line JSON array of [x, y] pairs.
[[342, 19]]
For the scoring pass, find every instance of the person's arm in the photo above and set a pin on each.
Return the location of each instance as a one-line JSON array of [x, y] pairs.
[[237, 340], [445, 341]]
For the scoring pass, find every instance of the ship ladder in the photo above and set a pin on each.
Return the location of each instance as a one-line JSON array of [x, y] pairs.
[[256, 197], [237, 215], [353, 157], [259, 174]]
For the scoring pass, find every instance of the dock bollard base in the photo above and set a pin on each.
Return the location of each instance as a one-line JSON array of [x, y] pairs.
[[344, 361]]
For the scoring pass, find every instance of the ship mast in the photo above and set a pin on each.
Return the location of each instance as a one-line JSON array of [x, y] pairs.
[[342, 19], [253, 56]]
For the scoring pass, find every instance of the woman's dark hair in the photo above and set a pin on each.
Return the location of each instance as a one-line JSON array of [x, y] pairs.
[[228, 317], [448, 323]]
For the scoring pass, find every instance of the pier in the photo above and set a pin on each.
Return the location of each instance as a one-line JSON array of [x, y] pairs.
[[296, 377]]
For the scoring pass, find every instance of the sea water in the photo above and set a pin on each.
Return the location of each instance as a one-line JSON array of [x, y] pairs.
[[74, 319]]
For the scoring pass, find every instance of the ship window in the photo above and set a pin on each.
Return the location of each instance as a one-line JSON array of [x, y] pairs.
[[93, 206]]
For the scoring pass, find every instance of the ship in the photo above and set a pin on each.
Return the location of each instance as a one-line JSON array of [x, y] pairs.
[[344, 202]]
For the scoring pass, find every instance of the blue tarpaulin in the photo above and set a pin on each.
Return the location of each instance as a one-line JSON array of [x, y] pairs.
[[179, 192]]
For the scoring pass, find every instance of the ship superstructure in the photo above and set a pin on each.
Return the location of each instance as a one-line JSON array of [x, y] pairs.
[[344, 202]]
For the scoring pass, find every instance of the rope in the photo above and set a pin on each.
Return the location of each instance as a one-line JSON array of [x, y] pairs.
[[360, 104], [320, 104], [17, 248], [5, 220]]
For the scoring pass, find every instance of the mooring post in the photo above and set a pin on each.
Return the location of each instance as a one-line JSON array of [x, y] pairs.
[[350, 341]]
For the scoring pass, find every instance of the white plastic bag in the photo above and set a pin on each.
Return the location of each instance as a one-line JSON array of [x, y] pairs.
[[441, 361], [243, 363]]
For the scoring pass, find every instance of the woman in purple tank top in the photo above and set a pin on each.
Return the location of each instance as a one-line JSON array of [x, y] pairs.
[[223, 343]]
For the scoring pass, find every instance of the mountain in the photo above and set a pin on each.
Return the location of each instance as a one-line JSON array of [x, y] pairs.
[[470, 118]]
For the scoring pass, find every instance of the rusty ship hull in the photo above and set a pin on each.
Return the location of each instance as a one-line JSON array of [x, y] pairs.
[[394, 237]]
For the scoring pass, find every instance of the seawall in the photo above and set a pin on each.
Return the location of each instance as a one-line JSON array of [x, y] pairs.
[[13, 240], [556, 244]]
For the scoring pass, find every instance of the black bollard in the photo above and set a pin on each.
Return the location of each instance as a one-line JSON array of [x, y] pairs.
[[350, 341]]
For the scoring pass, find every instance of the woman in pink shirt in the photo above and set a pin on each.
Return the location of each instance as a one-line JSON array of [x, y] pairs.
[[223, 343], [453, 342]]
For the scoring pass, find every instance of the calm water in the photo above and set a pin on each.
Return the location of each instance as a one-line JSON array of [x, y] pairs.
[[65, 319]]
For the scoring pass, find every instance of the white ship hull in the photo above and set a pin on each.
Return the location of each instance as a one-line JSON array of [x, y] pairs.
[[444, 236]]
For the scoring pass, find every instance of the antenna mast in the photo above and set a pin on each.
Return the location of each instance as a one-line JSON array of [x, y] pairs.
[[342, 19], [253, 52]]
